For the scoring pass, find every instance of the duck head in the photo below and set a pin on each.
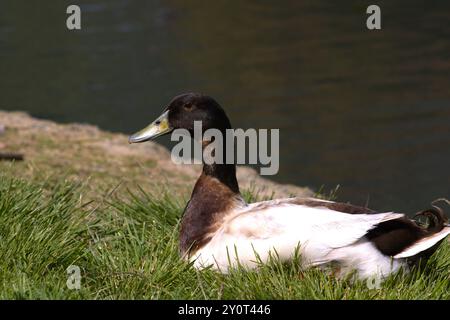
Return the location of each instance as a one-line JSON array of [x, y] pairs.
[[181, 113]]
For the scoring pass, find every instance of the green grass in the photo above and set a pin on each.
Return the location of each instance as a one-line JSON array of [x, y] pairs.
[[127, 249]]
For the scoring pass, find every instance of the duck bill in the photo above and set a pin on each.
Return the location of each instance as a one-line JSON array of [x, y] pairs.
[[155, 129]]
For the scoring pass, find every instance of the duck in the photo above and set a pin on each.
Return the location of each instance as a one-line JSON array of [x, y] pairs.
[[220, 230]]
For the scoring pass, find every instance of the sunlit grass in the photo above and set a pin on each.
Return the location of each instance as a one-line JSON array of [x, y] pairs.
[[127, 248]]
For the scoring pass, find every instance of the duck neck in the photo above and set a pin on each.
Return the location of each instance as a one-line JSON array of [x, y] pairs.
[[215, 194], [224, 173]]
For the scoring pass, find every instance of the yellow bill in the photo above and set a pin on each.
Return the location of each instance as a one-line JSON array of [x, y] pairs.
[[157, 128]]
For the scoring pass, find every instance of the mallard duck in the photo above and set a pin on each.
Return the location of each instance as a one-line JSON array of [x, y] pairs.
[[220, 230]]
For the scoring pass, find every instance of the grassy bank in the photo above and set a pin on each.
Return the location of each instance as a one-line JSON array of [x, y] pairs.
[[126, 248]]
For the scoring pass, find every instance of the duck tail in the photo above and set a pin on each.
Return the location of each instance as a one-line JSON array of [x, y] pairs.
[[437, 230], [435, 216]]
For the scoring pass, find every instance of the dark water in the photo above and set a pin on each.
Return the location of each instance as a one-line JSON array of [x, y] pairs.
[[367, 110]]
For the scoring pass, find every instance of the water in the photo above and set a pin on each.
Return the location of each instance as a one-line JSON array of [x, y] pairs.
[[369, 111]]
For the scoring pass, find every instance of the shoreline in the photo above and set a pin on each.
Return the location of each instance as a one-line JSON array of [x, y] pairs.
[[84, 152]]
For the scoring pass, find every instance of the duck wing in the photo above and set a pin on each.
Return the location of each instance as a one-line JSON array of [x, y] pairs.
[[272, 219]]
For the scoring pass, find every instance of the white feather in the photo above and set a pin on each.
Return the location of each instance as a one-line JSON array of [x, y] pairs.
[[366, 259], [423, 244]]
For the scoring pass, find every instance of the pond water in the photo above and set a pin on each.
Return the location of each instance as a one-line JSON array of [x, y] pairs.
[[368, 110]]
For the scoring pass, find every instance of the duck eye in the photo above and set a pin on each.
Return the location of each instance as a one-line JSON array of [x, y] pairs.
[[188, 106]]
